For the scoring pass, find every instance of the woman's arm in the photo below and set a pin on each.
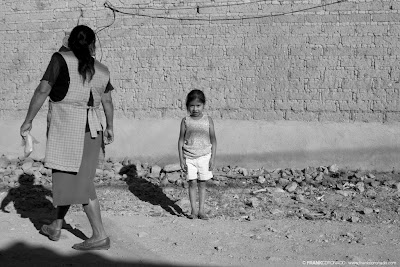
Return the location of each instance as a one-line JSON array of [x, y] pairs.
[[108, 106], [213, 141], [180, 145], [38, 98]]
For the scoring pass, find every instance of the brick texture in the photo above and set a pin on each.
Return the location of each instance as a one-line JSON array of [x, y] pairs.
[[255, 61]]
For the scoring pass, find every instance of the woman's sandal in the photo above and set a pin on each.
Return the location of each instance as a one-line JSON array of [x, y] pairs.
[[103, 244], [51, 233]]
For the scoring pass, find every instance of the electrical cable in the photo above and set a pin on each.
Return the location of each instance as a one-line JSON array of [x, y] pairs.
[[109, 25], [101, 29], [183, 8], [115, 10], [109, 6], [80, 16]]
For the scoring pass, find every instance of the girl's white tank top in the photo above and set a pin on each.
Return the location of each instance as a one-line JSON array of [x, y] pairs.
[[197, 137]]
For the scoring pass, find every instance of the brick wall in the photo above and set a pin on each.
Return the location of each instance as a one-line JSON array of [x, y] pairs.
[[337, 62]]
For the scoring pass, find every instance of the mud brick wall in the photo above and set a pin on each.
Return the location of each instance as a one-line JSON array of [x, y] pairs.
[[311, 60]]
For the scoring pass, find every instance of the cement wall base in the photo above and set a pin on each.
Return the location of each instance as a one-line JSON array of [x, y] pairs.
[[251, 144]]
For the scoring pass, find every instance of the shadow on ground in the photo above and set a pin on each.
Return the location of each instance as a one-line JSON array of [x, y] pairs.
[[33, 202], [20, 254], [149, 192]]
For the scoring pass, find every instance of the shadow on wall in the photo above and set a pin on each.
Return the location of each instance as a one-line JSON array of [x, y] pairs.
[[20, 254]]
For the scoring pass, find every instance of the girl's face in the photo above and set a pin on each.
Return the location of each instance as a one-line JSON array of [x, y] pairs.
[[195, 108]]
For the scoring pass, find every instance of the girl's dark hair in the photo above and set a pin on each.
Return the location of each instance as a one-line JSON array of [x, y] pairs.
[[195, 94], [79, 42]]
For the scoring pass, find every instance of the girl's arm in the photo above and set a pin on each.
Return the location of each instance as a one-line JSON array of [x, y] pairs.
[[108, 106], [41, 93], [213, 141], [180, 145]]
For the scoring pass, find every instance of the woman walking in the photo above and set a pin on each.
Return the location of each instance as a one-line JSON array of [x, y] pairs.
[[76, 84]]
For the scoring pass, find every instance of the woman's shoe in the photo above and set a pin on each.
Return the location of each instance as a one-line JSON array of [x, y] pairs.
[[103, 244], [51, 233]]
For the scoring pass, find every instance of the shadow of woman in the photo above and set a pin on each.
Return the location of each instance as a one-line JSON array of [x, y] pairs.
[[22, 254], [149, 192], [33, 202]]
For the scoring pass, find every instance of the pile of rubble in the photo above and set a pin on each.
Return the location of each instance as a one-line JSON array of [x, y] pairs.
[[344, 182], [324, 192]]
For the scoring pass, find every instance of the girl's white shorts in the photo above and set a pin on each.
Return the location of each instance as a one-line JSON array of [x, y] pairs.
[[199, 168]]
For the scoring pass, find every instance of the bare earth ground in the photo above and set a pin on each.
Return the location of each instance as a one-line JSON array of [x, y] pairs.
[[148, 227]]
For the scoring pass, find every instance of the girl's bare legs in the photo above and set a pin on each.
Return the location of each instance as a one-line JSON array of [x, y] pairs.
[[92, 210], [193, 196], [202, 197]]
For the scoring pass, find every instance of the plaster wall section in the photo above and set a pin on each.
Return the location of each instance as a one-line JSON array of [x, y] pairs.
[[288, 83], [305, 61]]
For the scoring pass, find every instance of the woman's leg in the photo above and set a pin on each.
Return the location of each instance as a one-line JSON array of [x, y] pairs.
[[99, 239], [92, 210], [91, 152], [53, 231], [61, 212]]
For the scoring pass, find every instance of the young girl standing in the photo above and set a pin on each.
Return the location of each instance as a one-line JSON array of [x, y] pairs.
[[197, 146]]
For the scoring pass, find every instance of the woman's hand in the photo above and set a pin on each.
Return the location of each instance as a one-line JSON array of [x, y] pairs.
[[108, 136], [25, 127], [38, 98]]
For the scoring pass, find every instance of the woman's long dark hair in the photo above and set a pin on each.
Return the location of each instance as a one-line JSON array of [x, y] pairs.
[[79, 42]]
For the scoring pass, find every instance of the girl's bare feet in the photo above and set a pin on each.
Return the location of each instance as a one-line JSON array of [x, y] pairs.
[[192, 216], [203, 216]]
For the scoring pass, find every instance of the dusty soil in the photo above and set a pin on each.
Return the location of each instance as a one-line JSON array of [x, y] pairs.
[[314, 224]]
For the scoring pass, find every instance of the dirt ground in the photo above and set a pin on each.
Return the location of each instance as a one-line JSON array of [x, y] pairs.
[[251, 224]]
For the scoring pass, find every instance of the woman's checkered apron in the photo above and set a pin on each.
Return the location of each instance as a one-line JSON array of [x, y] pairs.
[[68, 117]]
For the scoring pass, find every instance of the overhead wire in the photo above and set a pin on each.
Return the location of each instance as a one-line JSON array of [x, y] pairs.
[[115, 9], [101, 29], [191, 7], [109, 25]]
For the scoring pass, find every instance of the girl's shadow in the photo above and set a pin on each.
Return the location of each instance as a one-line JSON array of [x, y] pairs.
[[149, 192], [33, 202]]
